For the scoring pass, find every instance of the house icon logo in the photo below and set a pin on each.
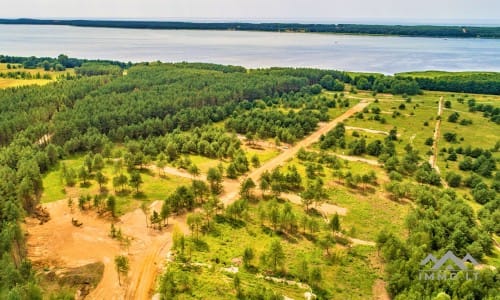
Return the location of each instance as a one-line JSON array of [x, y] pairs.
[[447, 267]]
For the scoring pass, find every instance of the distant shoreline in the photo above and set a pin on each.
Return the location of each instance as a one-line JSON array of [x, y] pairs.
[[440, 31]]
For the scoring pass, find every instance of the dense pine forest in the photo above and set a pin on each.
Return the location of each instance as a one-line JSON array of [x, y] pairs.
[[157, 112]]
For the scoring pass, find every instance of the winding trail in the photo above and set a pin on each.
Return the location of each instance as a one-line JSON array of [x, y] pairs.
[[147, 263], [374, 131], [437, 128], [231, 187], [290, 153], [360, 159], [149, 247]]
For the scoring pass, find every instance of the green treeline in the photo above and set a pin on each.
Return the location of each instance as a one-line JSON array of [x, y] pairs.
[[49, 63], [404, 30], [24, 75], [402, 83], [480, 83]]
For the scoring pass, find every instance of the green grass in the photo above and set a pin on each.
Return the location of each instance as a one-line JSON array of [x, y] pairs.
[[369, 214], [263, 155], [353, 74], [369, 211], [468, 135], [351, 276], [53, 74], [203, 163], [410, 124], [53, 187], [484, 138], [153, 188], [16, 82]]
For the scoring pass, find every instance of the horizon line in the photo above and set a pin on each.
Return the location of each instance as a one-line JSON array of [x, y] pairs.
[[303, 21]]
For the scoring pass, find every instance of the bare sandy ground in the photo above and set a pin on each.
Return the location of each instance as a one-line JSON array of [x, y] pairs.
[[379, 290], [360, 159], [326, 209], [367, 130], [59, 243]]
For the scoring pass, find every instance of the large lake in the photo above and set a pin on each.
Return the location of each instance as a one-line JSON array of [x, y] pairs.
[[386, 54]]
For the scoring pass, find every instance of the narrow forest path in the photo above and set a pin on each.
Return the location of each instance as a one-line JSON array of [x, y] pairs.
[[437, 128], [360, 159], [374, 131], [231, 187], [290, 153], [145, 264]]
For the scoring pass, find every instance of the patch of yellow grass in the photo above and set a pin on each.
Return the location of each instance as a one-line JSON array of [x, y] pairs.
[[9, 82], [42, 72]]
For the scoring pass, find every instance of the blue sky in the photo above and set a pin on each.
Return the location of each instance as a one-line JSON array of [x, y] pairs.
[[401, 11]]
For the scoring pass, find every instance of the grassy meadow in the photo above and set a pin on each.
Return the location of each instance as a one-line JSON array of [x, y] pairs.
[[8, 82]]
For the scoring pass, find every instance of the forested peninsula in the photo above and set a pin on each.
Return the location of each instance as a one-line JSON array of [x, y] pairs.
[[400, 30]]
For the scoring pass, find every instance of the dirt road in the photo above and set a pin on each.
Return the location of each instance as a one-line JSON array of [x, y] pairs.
[[437, 128], [148, 249], [231, 187], [291, 152], [147, 253]]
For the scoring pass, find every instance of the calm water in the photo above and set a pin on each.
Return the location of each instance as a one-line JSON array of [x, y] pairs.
[[254, 49]]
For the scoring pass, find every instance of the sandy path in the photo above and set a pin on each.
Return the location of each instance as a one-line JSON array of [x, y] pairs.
[[433, 157], [362, 242], [292, 151], [231, 187], [149, 247], [353, 158], [179, 173], [146, 269], [379, 290], [367, 130], [360, 159], [58, 243], [150, 253], [326, 209]]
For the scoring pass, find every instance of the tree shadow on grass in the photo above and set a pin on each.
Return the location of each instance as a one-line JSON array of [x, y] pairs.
[[313, 212], [288, 237], [200, 245], [122, 193], [147, 172], [104, 191], [234, 223], [140, 196], [309, 236], [85, 184]]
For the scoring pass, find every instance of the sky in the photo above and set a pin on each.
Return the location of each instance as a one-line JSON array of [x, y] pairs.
[[396, 11]]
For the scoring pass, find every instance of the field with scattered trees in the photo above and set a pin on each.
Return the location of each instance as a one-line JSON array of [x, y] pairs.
[[203, 181]]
